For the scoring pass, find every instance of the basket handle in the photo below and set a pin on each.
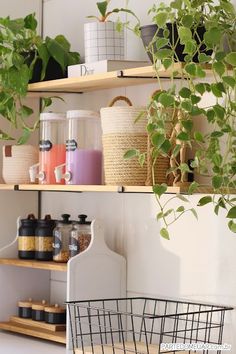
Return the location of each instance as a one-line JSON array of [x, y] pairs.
[[120, 98]]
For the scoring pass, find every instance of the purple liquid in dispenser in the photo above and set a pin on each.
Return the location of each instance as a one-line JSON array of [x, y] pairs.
[[85, 166]]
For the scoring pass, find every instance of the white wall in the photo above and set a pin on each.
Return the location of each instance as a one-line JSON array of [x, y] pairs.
[[198, 263]]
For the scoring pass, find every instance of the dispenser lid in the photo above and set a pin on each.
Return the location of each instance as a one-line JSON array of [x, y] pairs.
[[55, 309], [46, 221], [82, 220], [82, 114], [52, 116], [65, 219]]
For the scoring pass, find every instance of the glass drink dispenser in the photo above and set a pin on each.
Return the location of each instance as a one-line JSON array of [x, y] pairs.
[[52, 148], [83, 149]]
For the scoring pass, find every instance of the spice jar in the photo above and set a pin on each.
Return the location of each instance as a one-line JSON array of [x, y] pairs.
[[26, 239], [44, 239], [25, 309], [80, 236], [55, 314], [38, 313], [61, 238]]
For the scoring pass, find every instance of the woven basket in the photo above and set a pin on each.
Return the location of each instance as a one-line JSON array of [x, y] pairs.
[[17, 160], [120, 134]]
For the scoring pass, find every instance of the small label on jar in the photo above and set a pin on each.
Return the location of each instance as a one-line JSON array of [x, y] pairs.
[[71, 145], [26, 243], [45, 145], [43, 243], [57, 244]]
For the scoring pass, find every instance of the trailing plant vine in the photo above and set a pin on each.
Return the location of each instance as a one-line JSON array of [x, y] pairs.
[[206, 89]]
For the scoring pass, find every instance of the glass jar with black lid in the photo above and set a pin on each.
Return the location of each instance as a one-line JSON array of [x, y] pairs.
[[44, 239], [80, 237], [61, 239], [26, 239]]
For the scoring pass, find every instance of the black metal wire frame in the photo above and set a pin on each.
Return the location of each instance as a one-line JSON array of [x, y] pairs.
[[113, 322]]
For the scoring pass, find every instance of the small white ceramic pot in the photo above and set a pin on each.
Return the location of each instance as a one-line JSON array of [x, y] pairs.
[[17, 160], [103, 42]]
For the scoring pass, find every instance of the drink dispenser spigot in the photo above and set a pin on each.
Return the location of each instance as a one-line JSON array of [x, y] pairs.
[[52, 148], [83, 149]]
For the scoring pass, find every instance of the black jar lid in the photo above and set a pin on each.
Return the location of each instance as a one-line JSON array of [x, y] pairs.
[[82, 220], [65, 219], [31, 220], [46, 221]]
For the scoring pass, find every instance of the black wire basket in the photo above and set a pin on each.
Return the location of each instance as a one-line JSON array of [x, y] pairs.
[[146, 326]]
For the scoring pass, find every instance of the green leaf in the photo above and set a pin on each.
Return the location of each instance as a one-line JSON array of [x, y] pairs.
[[187, 21], [232, 213], [193, 187], [180, 209], [5, 136], [231, 58], [200, 72], [158, 139], [57, 52], [161, 42], [218, 89], [183, 136], [195, 99], [159, 189], [185, 34], [199, 137], [193, 211], [191, 69], [159, 216], [161, 18], [232, 226], [102, 7], [63, 42], [167, 62], [219, 68], [44, 55], [165, 234], [205, 200], [130, 154], [200, 88], [165, 147], [230, 81], [187, 124], [220, 55], [24, 138], [163, 53], [217, 182], [30, 22], [213, 36], [217, 159], [203, 58], [187, 105], [176, 150], [166, 100], [185, 92], [168, 212], [181, 197], [25, 111], [219, 111], [141, 159]]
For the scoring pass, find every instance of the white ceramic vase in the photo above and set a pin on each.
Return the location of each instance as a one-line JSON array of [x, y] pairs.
[[17, 160], [103, 42]]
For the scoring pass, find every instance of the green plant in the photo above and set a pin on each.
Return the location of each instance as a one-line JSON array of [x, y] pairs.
[[20, 50], [213, 99], [105, 14]]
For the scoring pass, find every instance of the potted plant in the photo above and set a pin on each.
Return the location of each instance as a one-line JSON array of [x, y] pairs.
[[21, 50], [212, 146], [104, 39]]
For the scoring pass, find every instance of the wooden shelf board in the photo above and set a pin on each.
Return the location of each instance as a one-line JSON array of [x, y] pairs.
[[67, 188], [109, 80], [62, 267], [59, 337], [38, 324], [148, 189], [131, 77], [7, 187]]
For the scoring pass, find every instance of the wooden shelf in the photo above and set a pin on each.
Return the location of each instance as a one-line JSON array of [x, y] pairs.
[[66, 188], [59, 337], [7, 187], [62, 267], [109, 80]]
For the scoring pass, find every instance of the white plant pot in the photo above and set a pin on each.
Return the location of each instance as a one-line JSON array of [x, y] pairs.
[[17, 160], [103, 42]]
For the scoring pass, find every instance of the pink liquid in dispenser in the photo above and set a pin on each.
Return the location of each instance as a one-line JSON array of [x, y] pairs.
[[85, 166], [49, 160]]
